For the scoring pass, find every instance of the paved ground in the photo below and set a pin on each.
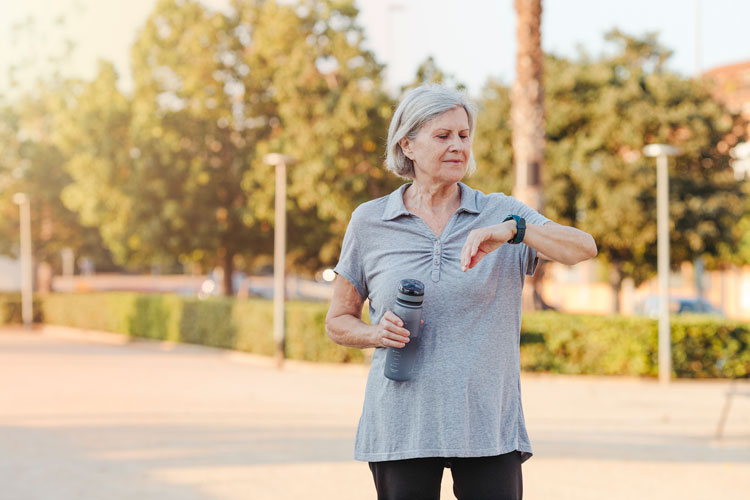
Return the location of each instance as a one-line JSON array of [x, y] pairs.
[[92, 416]]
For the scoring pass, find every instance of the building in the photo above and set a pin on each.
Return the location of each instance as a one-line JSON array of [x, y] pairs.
[[10, 274]]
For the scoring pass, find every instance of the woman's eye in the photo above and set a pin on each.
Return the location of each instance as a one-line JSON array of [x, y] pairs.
[[443, 136]]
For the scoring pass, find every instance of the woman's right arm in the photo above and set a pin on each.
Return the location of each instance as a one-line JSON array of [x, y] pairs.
[[344, 323]]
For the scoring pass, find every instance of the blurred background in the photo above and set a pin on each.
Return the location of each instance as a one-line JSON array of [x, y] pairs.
[[138, 131], [135, 172]]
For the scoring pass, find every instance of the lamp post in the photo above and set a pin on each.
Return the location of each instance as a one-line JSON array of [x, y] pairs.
[[662, 152], [280, 162], [392, 9], [24, 208]]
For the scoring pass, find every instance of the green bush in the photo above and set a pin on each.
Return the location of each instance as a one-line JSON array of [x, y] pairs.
[[208, 322], [155, 316], [702, 347], [109, 312], [596, 345], [254, 321], [244, 325], [705, 347], [11, 310]]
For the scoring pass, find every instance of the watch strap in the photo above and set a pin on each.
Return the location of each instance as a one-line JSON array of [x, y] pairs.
[[520, 228]]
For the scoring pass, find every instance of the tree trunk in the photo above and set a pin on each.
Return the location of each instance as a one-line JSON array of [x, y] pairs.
[[226, 260], [44, 277], [538, 302], [527, 105], [615, 281], [527, 120]]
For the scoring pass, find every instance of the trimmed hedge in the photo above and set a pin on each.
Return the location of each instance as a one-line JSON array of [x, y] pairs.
[[702, 347], [578, 344], [243, 325], [10, 309]]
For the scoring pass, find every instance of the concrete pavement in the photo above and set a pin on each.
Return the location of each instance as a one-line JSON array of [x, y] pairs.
[[87, 415]]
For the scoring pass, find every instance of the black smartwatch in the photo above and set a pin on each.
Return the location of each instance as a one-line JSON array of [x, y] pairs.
[[520, 228]]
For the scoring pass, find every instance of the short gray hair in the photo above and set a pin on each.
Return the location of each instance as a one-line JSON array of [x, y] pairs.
[[418, 107]]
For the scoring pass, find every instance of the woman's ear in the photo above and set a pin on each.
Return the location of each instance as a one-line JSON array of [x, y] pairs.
[[406, 148]]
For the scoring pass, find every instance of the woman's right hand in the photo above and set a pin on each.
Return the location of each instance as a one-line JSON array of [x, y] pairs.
[[389, 331]]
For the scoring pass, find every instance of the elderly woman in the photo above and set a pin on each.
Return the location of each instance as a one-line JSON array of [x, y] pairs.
[[462, 409]]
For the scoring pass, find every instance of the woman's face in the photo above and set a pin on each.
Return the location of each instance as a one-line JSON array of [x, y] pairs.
[[441, 149]]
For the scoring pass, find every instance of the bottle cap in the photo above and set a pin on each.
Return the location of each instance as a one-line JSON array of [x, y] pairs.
[[411, 290]]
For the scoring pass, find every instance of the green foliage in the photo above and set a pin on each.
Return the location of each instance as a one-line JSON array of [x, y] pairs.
[[429, 72], [329, 112], [254, 323], [244, 325], [710, 348], [702, 347], [110, 312], [600, 114], [11, 309], [176, 171], [207, 322], [492, 146], [30, 162], [93, 133], [596, 345], [156, 317]]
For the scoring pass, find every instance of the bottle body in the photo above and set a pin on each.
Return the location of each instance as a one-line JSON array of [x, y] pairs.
[[399, 362]]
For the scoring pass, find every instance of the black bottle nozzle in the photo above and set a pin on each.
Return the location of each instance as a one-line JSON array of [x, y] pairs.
[[411, 290]]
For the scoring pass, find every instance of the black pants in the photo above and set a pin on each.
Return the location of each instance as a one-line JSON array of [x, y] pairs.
[[482, 478]]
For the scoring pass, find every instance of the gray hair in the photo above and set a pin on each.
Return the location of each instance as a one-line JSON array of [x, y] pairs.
[[418, 107]]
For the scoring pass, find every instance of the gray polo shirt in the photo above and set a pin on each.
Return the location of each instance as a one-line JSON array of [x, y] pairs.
[[465, 397]]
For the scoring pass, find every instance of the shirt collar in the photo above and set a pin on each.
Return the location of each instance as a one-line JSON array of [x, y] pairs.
[[394, 207]]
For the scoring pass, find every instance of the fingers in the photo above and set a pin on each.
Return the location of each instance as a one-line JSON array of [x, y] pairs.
[[392, 333], [471, 249]]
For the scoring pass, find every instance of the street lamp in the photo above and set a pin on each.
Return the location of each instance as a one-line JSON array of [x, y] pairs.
[[392, 9], [662, 152], [279, 161], [24, 208]]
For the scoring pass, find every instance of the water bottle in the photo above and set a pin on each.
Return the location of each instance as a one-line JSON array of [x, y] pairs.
[[399, 362]]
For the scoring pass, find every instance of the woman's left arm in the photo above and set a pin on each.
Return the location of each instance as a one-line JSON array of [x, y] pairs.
[[552, 241], [564, 244]]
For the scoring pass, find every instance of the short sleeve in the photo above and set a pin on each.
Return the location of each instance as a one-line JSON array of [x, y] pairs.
[[529, 258], [529, 214], [350, 264]]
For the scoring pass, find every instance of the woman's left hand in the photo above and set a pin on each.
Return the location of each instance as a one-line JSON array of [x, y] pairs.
[[482, 241]]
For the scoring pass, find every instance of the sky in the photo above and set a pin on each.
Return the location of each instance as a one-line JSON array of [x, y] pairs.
[[471, 39]]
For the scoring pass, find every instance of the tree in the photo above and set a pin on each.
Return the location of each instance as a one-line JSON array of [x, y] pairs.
[[331, 113], [492, 145], [93, 132], [31, 162], [527, 120], [429, 72], [181, 162], [600, 114], [527, 104]]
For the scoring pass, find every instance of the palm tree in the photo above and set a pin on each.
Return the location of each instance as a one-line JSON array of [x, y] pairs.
[[527, 118]]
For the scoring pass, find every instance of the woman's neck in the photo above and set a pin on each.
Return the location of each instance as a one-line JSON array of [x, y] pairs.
[[419, 197]]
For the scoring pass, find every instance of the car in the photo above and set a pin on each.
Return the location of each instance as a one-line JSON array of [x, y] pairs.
[[677, 305]]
